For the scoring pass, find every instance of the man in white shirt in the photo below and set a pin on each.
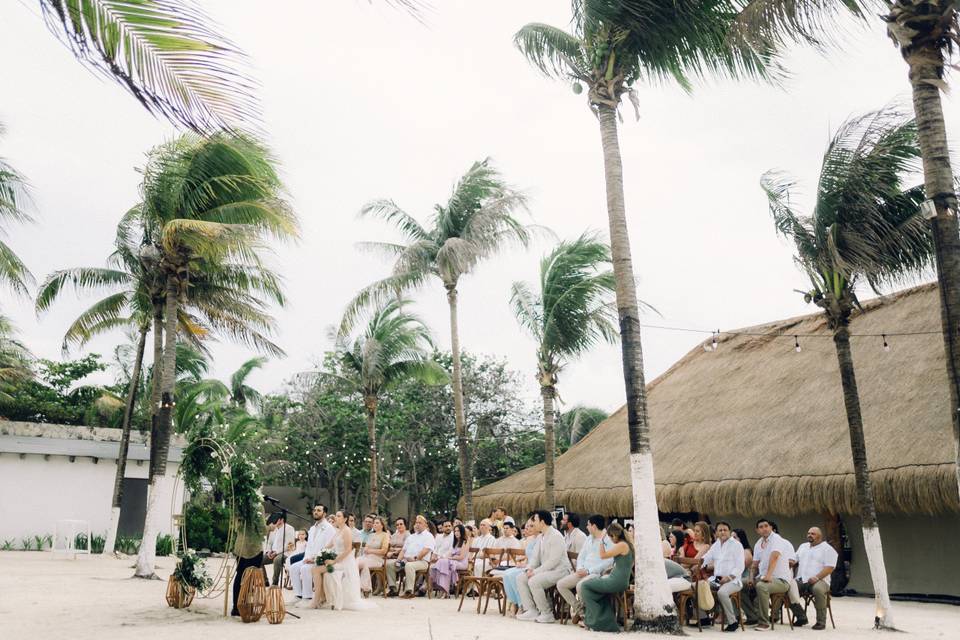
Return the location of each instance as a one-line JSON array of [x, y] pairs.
[[573, 536], [481, 542], [509, 538], [318, 537], [771, 570], [283, 535], [551, 564], [412, 558], [725, 558], [816, 560], [444, 540], [589, 565]]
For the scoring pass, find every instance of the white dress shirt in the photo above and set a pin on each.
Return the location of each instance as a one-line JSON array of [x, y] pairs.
[[444, 545], [319, 536], [484, 541], [726, 558], [508, 542], [589, 557], [765, 548], [812, 560], [574, 539], [279, 536], [416, 543]]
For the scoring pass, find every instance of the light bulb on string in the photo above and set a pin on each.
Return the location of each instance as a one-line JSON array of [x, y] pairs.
[[886, 347], [796, 344]]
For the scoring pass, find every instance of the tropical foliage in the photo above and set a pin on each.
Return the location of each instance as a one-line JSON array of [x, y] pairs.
[[476, 222], [572, 312], [866, 225]]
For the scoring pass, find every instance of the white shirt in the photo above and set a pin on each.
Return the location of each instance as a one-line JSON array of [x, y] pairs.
[[726, 558], [812, 560], [278, 536], [444, 545], [762, 552], [484, 541], [574, 540], [319, 536], [589, 557], [507, 542], [416, 543]]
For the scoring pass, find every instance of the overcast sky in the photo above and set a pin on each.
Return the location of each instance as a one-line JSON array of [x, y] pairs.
[[362, 102]]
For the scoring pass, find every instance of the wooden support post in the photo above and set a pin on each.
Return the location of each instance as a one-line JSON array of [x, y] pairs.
[[831, 530]]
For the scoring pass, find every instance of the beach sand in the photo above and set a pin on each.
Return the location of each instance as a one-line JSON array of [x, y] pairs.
[[93, 598]]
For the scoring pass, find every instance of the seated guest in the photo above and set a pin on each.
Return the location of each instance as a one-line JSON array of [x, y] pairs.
[[677, 540], [770, 572], [373, 553], [573, 536], [702, 539], [280, 537], [450, 560], [319, 535], [400, 533], [352, 525], [509, 539], [551, 565], [677, 525], [725, 559], [589, 565], [497, 517], [816, 560], [301, 542], [481, 542], [368, 529], [413, 557], [665, 547], [600, 612], [444, 540], [677, 576], [531, 542]]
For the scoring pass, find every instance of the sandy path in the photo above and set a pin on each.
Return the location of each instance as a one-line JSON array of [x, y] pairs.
[[93, 598]]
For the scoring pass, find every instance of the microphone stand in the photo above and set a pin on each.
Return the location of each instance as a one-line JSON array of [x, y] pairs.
[[284, 512]]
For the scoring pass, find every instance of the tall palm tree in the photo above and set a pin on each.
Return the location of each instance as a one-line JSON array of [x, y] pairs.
[[573, 311], [476, 222], [927, 33], [394, 347], [167, 53], [210, 204], [13, 199], [241, 393], [612, 46], [865, 226]]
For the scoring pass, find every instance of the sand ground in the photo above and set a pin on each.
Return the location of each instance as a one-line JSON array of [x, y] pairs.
[[94, 598]]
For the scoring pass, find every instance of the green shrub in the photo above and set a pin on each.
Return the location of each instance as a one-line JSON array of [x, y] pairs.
[[26, 544], [206, 526], [164, 545], [128, 546], [97, 543], [7, 545]]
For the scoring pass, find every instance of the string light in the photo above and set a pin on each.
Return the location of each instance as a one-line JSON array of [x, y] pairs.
[[886, 347], [796, 344]]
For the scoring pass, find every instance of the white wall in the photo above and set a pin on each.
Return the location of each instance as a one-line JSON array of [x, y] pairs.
[[35, 493]]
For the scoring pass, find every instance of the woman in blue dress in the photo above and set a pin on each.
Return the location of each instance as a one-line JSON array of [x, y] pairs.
[[510, 575]]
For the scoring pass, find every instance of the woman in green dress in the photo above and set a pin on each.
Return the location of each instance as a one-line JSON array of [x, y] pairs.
[[600, 612]]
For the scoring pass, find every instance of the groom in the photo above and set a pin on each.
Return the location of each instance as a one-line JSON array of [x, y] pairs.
[[319, 535]]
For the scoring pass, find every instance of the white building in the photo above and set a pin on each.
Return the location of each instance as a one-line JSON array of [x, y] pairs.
[[54, 472]]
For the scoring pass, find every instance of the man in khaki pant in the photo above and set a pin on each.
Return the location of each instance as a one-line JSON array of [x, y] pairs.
[[816, 560], [413, 555], [770, 563], [589, 565]]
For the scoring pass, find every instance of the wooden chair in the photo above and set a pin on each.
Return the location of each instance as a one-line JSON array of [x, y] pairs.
[[682, 598], [356, 549], [561, 609], [381, 572], [779, 602], [494, 584], [424, 574], [491, 555], [472, 554], [808, 598]]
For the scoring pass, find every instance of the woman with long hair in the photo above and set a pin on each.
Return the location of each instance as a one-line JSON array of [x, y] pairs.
[[600, 612], [443, 572], [374, 551], [341, 586]]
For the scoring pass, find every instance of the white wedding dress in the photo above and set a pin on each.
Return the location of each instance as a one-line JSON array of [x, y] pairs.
[[342, 586]]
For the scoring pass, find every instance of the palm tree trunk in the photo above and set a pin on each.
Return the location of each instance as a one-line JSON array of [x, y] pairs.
[[415, 488], [548, 393], [158, 484], [939, 186], [155, 382], [653, 602], [371, 405], [868, 513], [466, 474], [125, 442]]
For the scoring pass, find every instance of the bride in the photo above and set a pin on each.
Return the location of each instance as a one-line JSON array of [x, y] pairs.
[[341, 587]]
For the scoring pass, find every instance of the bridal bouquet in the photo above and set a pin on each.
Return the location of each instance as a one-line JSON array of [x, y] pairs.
[[326, 554]]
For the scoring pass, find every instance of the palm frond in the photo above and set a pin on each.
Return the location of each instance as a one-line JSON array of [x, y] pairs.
[[82, 279], [775, 23], [166, 53], [553, 51], [13, 272], [403, 221]]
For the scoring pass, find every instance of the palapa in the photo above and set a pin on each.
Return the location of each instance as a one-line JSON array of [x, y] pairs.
[[779, 414]]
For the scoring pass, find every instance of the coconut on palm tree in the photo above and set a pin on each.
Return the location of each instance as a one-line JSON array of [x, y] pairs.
[[927, 32], [475, 223], [612, 46], [573, 311], [395, 346], [209, 204], [865, 227]]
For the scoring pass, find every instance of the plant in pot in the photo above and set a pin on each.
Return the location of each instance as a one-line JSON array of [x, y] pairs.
[[188, 578]]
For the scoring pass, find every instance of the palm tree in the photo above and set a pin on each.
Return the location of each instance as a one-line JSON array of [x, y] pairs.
[[166, 53], [614, 45], [476, 222], [13, 197], [575, 424], [865, 227], [926, 32], [15, 361], [573, 312], [395, 346], [241, 393], [210, 203]]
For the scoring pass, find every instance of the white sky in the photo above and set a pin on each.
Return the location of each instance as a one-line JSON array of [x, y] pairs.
[[363, 102]]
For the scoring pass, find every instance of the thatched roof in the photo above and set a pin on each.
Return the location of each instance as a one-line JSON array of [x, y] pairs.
[[780, 415]]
